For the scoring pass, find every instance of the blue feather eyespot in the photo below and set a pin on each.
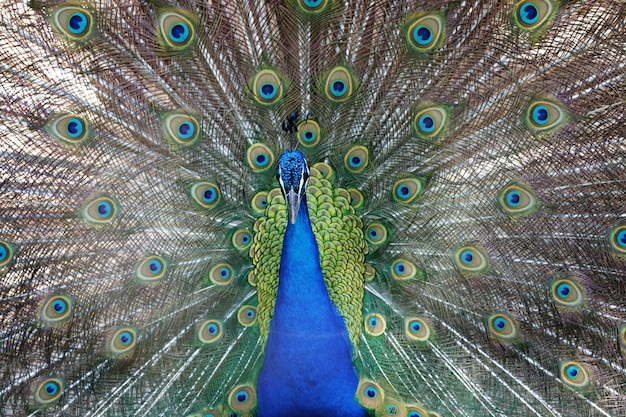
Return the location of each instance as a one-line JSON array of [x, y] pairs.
[[260, 157], [69, 129], [242, 398], [181, 128], [313, 6], [376, 234], [530, 15], [56, 309], [7, 251], [402, 270], [426, 32], [309, 133], [414, 410], [46, 391], [416, 329], [375, 324], [356, 198], [518, 200], [471, 259], [356, 159], [568, 292], [267, 87], [100, 210], [206, 194], [502, 327], [259, 203], [209, 331], [221, 274], [407, 189], [247, 316], [369, 394], [121, 341], [575, 375], [339, 84], [617, 239], [151, 269], [241, 239], [431, 122], [175, 29], [545, 115], [73, 22]]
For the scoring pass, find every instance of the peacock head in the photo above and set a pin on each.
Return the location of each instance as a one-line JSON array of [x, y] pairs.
[[292, 174]]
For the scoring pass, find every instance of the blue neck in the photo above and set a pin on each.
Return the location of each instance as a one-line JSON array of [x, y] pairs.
[[307, 369]]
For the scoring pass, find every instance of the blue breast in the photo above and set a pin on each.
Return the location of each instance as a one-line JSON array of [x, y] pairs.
[[307, 369]]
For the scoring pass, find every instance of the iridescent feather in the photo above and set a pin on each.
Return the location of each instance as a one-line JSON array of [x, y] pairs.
[[313, 207]]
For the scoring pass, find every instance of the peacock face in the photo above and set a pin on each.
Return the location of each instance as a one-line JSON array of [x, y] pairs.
[[292, 175]]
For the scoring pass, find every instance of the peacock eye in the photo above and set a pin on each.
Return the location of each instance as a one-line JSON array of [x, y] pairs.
[[209, 331], [242, 398], [375, 324], [530, 15], [267, 87], [339, 84], [206, 194], [221, 274], [181, 129], [376, 234], [309, 133], [416, 329], [151, 269], [575, 375], [408, 189], [431, 122], [502, 327], [74, 22], [403, 269], [471, 259], [121, 341], [241, 239], [175, 29], [247, 315], [518, 200], [47, 390], [100, 210], [56, 309], [260, 157], [69, 129], [370, 394], [356, 159], [545, 115], [426, 32], [568, 292]]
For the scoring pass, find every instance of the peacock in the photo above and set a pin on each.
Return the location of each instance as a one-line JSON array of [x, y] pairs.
[[338, 208]]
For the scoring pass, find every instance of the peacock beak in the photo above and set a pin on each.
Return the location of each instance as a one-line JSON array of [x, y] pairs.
[[292, 198]]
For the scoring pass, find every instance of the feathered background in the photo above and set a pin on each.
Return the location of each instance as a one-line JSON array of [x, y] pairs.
[[478, 146]]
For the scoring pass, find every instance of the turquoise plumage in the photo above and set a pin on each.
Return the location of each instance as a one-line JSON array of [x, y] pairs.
[[313, 207]]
